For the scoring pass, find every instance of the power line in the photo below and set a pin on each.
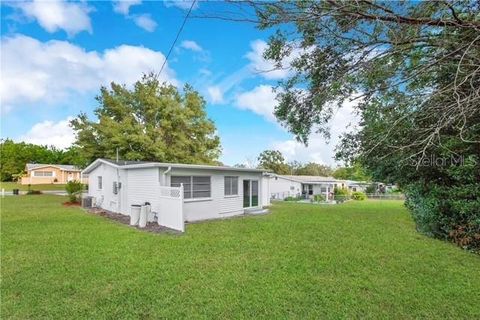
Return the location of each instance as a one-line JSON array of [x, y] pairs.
[[176, 38]]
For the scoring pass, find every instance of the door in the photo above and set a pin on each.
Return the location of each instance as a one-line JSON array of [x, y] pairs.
[[246, 193], [250, 193]]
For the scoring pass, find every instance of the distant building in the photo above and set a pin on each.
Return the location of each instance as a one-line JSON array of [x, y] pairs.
[[38, 173]]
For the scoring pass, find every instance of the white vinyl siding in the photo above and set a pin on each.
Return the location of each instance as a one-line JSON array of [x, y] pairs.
[[194, 187], [43, 173], [231, 186]]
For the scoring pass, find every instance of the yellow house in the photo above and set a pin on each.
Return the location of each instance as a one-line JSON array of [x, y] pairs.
[[51, 173]]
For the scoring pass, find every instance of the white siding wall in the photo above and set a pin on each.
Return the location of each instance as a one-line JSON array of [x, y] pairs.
[[142, 185], [266, 190], [109, 175], [219, 205], [281, 188]]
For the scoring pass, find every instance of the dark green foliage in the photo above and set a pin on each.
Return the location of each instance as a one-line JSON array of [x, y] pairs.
[[33, 192], [357, 195], [74, 190], [290, 198], [355, 172], [151, 122]]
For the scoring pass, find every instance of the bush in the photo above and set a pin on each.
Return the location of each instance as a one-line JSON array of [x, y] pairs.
[[34, 192], [290, 198], [341, 194], [74, 189], [319, 198], [359, 196], [447, 212]]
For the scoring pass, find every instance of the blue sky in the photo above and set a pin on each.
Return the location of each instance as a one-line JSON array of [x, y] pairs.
[[56, 55]]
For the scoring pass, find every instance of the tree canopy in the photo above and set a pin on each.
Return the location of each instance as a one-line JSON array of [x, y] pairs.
[[274, 161], [413, 70], [151, 122]]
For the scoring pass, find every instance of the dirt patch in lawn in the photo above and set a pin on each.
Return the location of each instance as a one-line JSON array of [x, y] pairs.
[[123, 219], [71, 204]]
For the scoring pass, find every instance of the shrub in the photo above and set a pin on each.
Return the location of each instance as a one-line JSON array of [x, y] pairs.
[[319, 198], [359, 196], [34, 192], [447, 212], [74, 189], [370, 189], [290, 198], [341, 194]]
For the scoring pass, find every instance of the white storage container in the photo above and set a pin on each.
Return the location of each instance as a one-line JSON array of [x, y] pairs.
[[142, 222], [135, 214], [150, 214]]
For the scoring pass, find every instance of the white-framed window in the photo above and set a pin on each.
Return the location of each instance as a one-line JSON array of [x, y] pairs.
[[43, 173], [99, 183], [231, 186], [193, 186]]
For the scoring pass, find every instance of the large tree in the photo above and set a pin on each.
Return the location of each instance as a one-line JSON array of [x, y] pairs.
[[274, 161], [413, 69], [151, 122]]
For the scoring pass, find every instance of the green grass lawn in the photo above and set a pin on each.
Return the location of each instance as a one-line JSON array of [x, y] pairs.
[[356, 260], [9, 186]]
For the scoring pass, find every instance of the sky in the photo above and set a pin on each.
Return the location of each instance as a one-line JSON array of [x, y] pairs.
[[55, 55]]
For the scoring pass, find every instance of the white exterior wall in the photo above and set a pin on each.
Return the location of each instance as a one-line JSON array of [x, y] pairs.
[[218, 205], [104, 197], [143, 185], [266, 190], [281, 188]]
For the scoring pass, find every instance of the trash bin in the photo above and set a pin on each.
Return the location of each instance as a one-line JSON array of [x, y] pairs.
[[15, 192], [150, 215], [142, 222], [135, 214]]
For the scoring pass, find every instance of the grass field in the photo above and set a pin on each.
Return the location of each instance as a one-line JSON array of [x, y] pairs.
[[356, 260], [9, 186]]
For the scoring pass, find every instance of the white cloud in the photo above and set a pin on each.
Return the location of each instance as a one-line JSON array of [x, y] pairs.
[[145, 22], [123, 6], [318, 150], [56, 14], [264, 68], [33, 71], [58, 134], [260, 100], [215, 94], [182, 4], [191, 45]]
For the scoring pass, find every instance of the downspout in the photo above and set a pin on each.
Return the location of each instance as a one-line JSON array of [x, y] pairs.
[[165, 173]]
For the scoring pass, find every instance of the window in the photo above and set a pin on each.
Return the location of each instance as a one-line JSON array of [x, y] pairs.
[[231, 186], [100, 184], [193, 186], [43, 173]]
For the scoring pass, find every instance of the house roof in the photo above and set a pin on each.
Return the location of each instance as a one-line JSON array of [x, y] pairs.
[[310, 179], [65, 167], [121, 164]]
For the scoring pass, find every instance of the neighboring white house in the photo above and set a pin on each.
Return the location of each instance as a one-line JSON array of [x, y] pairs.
[[282, 186], [209, 192]]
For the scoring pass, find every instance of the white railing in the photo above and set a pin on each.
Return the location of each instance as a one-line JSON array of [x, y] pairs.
[[170, 208]]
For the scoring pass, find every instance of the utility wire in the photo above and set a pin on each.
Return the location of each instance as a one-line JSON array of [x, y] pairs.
[[176, 38]]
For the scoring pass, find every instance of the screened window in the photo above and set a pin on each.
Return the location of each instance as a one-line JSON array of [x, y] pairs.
[[193, 186], [99, 182], [231, 186], [43, 173]]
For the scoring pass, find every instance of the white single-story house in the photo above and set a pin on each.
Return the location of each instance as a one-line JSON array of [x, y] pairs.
[[282, 186], [209, 192]]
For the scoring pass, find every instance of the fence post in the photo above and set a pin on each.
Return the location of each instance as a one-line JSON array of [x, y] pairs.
[[181, 207]]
